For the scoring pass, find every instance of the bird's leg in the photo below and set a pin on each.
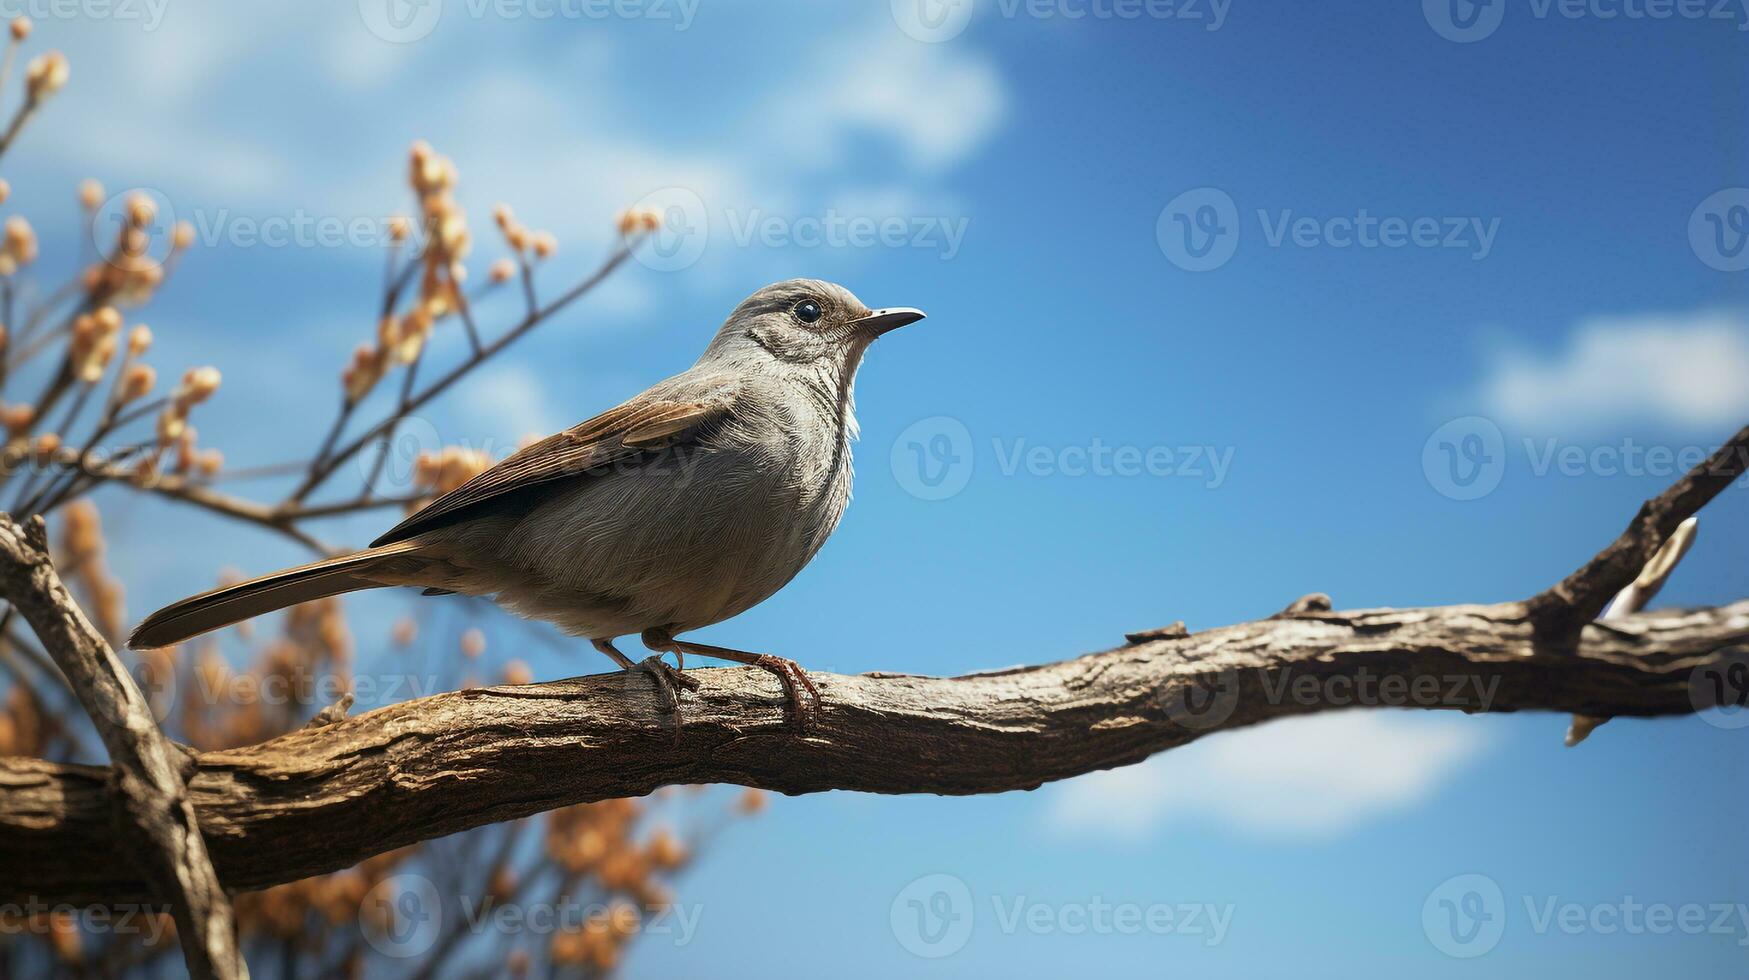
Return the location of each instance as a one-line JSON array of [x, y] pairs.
[[789, 672], [667, 679]]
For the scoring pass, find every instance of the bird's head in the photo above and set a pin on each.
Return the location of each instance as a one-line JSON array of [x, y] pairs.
[[804, 323]]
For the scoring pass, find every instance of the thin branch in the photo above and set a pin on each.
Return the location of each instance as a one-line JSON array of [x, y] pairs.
[[326, 467], [1580, 597], [145, 775], [282, 520]]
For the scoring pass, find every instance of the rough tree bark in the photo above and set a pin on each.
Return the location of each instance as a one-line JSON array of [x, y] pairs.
[[323, 798]]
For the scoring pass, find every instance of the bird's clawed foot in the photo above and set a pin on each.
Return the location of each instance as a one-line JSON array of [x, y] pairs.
[[794, 679], [669, 681]]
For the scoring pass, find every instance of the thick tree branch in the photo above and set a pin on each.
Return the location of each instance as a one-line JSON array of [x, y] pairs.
[[323, 798], [320, 799], [157, 818]]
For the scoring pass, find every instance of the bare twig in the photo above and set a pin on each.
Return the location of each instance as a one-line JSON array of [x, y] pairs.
[[1633, 599], [144, 773], [1561, 611], [325, 467]]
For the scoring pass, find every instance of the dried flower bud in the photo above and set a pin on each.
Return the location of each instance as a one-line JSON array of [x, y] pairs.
[[502, 270], [5, 190], [20, 240], [141, 209], [649, 220], [139, 339], [17, 418], [97, 360], [145, 471], [108, 319], [90, 194], [473, 643], [45, 75], [752, 801], [517, 672], [504, 216], [399, 227], [181, 235], [137, 383], [209, 463], [405, 632], [544, 244], [44, 447], [20, 28], [198, 384]]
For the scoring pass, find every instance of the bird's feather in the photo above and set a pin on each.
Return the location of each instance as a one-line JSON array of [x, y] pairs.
[[612, 438]]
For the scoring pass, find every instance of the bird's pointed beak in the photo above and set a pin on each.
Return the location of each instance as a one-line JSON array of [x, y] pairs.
[[882, 321]]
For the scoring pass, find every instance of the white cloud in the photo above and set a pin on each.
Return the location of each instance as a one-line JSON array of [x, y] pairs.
[[937, 103], [1298, 778], [1677, 369]]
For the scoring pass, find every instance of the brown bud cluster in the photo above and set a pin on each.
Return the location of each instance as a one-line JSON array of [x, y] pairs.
[[18, 247], [96, 336], [130, 272], [448, 468], [634, 221], [198, 384]]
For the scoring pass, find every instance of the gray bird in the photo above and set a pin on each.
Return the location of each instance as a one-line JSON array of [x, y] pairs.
[[687, 505]]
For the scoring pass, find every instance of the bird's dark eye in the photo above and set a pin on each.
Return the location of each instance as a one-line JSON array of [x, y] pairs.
[[808, 311]]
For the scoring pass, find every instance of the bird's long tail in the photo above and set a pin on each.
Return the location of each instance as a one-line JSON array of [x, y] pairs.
[[233, 604]]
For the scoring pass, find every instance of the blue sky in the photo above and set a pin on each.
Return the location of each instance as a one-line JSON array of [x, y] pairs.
[[1523, 230]]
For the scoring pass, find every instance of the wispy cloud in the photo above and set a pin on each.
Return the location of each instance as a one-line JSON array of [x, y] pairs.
[[1312, 777], [1683, 369]]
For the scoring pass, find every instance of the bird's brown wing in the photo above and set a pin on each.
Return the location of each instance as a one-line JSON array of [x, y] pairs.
[[613, 437]]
